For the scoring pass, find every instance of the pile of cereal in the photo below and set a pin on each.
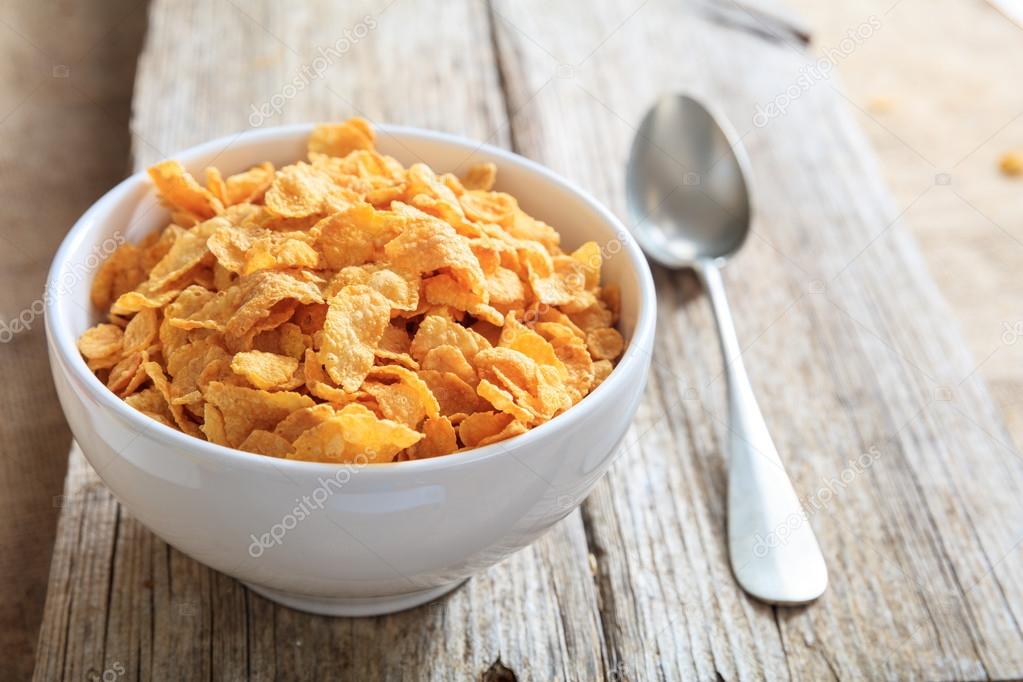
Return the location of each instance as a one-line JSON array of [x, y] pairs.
[[350, 309]]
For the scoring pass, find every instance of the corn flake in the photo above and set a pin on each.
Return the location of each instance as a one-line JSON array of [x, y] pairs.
[[263, 442], [355, 435], [249, 186], [356, 319], [302, 190], [267, 371], [481, 426], [179, 189], [103, 340], [605, 343], [439, 438], [246, 409], [340, 139], [481, 176]]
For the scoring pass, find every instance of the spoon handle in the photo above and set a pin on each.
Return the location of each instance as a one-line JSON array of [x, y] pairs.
[[774, 554]]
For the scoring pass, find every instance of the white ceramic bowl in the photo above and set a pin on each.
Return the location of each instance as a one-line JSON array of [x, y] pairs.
[[347, 539]]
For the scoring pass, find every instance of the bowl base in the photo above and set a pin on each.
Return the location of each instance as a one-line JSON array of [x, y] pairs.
[[353, 607]]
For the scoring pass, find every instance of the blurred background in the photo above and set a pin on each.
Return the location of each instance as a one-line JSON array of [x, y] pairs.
[[935, 87]]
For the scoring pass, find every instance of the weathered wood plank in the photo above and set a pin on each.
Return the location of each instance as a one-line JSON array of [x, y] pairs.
[[849, 348], [66, 84]]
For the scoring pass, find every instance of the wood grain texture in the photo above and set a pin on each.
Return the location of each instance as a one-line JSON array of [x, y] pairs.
[[66, 76], [869, 392], [925, 117]]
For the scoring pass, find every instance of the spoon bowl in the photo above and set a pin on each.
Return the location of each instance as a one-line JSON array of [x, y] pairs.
[[688, 196]]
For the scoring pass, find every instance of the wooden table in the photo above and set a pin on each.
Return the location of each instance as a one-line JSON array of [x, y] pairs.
[[888, 434]]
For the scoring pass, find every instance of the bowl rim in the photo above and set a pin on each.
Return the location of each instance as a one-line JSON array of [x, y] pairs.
[[64, 343]]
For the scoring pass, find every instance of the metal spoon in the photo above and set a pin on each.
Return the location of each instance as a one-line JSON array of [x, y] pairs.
[[689, 205]]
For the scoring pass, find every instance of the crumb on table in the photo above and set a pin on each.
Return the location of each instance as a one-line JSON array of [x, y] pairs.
[[881, 104], [1011, 163]]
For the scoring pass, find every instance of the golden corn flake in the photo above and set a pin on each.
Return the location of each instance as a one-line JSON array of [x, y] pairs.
[[122, 373], [235, 311], [395, 339], [588, 256], [483, 426], [159, 379], [344, 308], [141, 331], [560, 282], [339, 139], [103, 340], [215, 184], [439, 438], [503, 401], [579, 365], [245, 409], [300, 421], [266, 370], [352, 237], [401, 292], [246, 250], [481, 176], [142, 373], [266, 443], [143, 297], [284, 339], [181, 191], [428, 244], [250, 186], [506, 291], [151, 402], [413, 382], [489, 207], [319, 385], [355, 435], [605, 343], [119, 274], [213, 427], [454, 396], [302, 190], [594, 316], [356, 318], [513, 428], [397, 402], [601, 368], [437, 330], [445, 358]]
